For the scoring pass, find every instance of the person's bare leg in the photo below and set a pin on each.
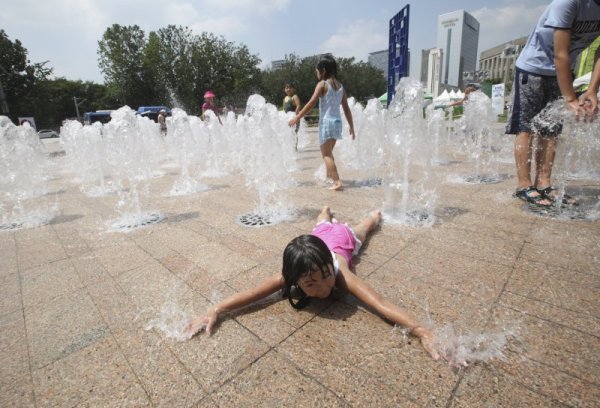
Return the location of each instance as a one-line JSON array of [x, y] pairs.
[[327, 153], [523, 159], [366, 226], [523, 152], [325, 215], [544, 158]]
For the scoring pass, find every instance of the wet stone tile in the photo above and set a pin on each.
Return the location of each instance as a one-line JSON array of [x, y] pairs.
[[44, 283], [14, 358], [63, 326], [481, 387], [18, 392], [164, 378], [215, 359], [553, 355], [582, 322], [10, 293], [96, 375], [287, 387], [123, 258]]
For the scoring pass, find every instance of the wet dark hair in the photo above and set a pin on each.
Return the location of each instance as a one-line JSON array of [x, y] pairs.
[[290, 84], [301, 256], [327, 63]]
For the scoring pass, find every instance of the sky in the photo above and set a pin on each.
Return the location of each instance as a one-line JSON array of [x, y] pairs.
[[66, 32]]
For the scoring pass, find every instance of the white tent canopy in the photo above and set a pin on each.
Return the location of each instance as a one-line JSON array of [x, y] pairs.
[[444, 97]]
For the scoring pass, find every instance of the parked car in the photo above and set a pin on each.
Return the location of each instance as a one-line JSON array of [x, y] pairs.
[[47, 133], [102, 116], [152, 111]]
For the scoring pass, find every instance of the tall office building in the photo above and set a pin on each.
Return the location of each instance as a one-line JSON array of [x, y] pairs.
[[458, 37]]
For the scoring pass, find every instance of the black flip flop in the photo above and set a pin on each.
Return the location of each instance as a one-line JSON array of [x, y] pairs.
[[525, 194], [547, 194]]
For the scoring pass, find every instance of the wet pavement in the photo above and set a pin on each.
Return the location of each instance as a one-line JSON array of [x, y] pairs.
[[76, 299]]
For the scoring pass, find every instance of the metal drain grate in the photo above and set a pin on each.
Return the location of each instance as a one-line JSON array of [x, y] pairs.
[[482, 179], [564, 213], [129, 223], [11, 226], [253, 220]]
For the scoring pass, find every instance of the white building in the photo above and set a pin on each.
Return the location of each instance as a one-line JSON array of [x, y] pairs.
[[458, 37], [431, 70]]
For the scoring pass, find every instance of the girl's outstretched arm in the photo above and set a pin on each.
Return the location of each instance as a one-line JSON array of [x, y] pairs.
[[362, 291], [348, 114], [310, 104], [233, 302]]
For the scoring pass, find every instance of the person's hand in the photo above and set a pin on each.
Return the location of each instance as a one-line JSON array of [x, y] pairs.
[[293, 121], [428, 342], [205, 323], [578, 108], [589, 101], [352, 133]]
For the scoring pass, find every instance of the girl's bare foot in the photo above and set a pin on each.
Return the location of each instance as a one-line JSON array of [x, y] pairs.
[[376, 216], [337, 186], [325, 215]]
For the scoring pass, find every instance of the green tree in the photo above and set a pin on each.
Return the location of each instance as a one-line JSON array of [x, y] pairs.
[[227, 69], [175, 67], [121, 60], [20, 79], [361, 80]]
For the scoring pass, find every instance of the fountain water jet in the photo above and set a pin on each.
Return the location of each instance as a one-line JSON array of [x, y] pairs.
[[270, 158], [480, 140], [23, 183], [409, 185]]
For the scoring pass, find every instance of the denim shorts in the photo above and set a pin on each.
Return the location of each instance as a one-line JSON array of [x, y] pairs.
[[330, 128], [531, 94]]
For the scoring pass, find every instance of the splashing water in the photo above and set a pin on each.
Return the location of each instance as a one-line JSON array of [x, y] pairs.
[[23, 184], [472, 346], [270, 157], [126, 150], [365, 153], [480, 141], [409, 199], [187, 137], [171, 321], [437, 130]]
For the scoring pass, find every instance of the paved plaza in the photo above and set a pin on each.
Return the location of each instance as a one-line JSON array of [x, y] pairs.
[[76, 300]]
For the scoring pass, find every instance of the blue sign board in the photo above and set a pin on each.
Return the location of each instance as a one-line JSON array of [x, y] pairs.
[[398, 50]]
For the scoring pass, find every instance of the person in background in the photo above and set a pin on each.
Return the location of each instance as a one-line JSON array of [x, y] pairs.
[[291, 103], [209, 98], [330, 94], [162, 121], [467, 91]]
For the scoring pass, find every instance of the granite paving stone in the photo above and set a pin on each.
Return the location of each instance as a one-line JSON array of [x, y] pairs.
[[96, 375], [61, 326]]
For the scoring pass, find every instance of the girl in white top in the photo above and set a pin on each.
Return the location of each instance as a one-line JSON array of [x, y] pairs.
[[331, 95]]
